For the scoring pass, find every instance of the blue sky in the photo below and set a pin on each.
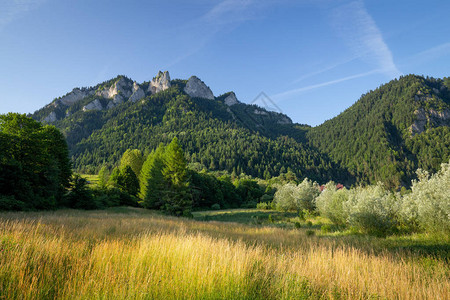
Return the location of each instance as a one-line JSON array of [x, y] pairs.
[[313, 58]]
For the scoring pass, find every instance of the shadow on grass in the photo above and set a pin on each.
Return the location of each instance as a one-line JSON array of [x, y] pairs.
[[421, 246], [244, 216]]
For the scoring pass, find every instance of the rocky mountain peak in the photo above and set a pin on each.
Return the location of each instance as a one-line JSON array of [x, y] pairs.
[[231, 99], [160, 83], [74, 96], [119, 91], [138, 92], [198, 89]]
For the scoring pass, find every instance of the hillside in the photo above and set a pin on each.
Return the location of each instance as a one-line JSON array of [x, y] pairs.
[[391, 131], [385, 136], [217, 133]]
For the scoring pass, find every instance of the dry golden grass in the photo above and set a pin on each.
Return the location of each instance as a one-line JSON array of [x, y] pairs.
[[140, 255]]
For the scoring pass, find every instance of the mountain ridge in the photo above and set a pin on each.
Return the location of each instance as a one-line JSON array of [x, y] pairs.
[[120, 89], [381, 137]]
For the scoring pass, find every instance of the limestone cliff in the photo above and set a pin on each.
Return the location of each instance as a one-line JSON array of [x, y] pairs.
[[231, 99], [160, 83], [431, 117], [198, 89], [94, 105]]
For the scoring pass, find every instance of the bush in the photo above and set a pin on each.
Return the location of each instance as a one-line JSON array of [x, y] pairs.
[[266, 198], [215, 206], [307, 193], [80, 195], [375, 210], [105, 197], [263, 205], [330, 203], [372, 209], [428, 205], [325, 228], [310, 232], [292, 197], [285, 198], [10, 203]]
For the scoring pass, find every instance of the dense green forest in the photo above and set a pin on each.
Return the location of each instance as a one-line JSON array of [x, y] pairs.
[[385, 136], [35, 174], [210, 133], [375, 139]]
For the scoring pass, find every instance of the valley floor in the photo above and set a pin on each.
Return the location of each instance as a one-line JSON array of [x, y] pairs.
[[125, 253]]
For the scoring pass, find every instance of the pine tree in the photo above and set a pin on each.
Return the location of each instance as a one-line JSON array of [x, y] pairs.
[[103, 177], [178, 201], [175, 170], [153, 184]]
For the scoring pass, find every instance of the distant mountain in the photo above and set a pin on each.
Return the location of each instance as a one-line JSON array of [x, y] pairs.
[[391, 131], [385, 136], [217, 133]]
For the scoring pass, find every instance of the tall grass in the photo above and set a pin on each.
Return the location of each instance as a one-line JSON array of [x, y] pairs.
[[136, 255]]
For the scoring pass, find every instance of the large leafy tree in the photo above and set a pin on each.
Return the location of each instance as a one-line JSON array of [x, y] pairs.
[[134, 159], [34, 164], [57, 146]]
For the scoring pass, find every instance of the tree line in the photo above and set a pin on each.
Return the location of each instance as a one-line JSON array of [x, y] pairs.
[[35, 173], [164, 181]]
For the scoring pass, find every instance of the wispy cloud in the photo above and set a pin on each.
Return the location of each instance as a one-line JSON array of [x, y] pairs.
[[281, 96], [229, 11], [12, 9], [323, 70], [355, 25], [358, 29], [429, 54]]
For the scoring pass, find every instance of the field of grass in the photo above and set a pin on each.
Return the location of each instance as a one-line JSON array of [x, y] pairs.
[[131, 253]]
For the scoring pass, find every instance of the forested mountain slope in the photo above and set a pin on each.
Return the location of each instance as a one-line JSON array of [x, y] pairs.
[[385, 136], [216, 133], [391, 131]]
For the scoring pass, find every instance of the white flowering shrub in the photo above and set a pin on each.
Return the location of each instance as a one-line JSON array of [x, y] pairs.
[[428, 205], [372, 209], [292, 197], [330, 203]]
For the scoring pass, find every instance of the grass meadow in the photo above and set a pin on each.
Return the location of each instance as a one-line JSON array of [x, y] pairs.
[[131, 253]]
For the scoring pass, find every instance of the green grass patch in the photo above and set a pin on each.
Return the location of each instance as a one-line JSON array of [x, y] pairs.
[[247, 216], [92, 179]]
